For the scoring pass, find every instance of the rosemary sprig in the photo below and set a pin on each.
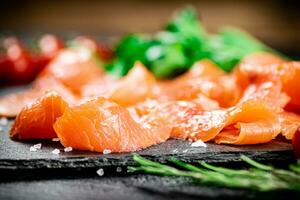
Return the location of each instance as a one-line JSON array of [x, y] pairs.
[[258, 177]]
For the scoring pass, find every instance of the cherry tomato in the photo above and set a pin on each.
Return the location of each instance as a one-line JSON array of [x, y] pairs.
[[296, 143], [39, 62], [50, 45], [102, 50], [5, 64], [22, 68]]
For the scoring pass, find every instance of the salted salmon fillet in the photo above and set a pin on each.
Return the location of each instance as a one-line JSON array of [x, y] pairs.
[[35, 121], [100, 124], [249, 122]]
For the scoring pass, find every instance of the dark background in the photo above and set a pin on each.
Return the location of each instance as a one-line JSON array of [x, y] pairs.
[[276, 22]]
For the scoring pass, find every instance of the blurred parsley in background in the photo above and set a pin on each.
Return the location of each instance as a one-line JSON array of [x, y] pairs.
[[183, 42]]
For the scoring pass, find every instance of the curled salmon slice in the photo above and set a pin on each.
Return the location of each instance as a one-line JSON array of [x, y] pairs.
[[251, 122], [290, 122], [35, 121], [100, 124]]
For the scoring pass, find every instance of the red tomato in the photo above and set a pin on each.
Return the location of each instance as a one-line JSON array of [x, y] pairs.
[[50, 45], [5, 64], [22, 68], [39, 62], [296, 143], [102, 50]]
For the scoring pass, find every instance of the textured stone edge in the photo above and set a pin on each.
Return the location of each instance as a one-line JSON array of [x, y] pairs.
[[126, 160]]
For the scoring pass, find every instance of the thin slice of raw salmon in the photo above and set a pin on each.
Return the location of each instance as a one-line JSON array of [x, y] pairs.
[[290, 122], [292, 87], [251, 122], [35, 120], [74, 68], [203, 78], [135, 87], [100, 124], [12, 104]]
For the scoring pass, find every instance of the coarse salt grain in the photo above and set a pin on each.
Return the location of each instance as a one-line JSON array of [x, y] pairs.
[[3, 121], [184, 151], [55, 139], [100, 172], [32, 148], [199, 143], [119, 169], [106, 151], [68, 149], [56, 151], [38, 146]]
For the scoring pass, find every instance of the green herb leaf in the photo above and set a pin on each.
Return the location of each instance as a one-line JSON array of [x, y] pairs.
[[260, 177], [183, 42]]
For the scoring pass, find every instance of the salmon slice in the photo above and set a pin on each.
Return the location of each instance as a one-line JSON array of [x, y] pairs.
[[101, 87], [74, 68], [203, 78], [135, 87], [100, 124], [270, 68], [65, 75], [292, 87], [269, 91], [290, 122], [253, 69], [251, 122], [35, 121], [12, 104], [186, 87], [178, 113]]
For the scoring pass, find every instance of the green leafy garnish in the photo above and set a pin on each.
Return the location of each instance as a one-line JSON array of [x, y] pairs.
[[183, 42], [258, 177]]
